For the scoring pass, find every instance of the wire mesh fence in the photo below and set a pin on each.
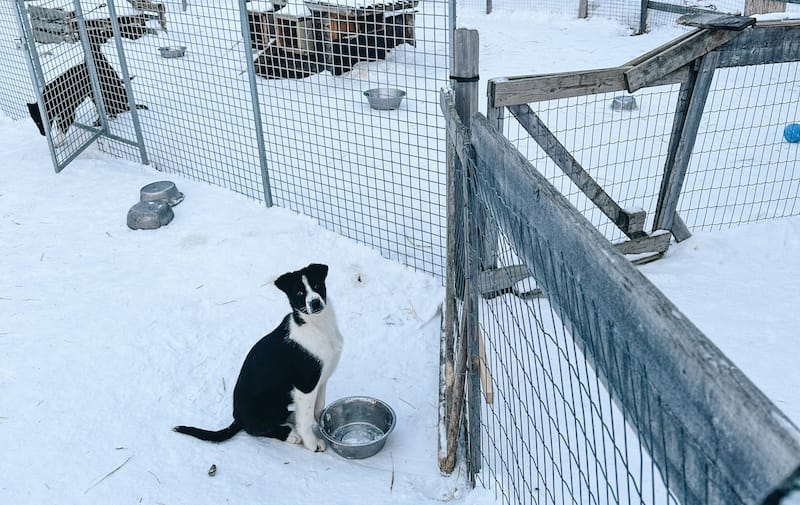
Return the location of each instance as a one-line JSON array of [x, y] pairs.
[[15, 80], [583, 383], [551, 431], [741, 169], [268, 99]]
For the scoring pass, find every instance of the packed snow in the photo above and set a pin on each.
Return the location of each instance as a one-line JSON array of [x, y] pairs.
[[109, 337]]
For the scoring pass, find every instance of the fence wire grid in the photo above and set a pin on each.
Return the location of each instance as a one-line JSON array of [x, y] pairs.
[[742, 170], [552, 433], [293, 129]]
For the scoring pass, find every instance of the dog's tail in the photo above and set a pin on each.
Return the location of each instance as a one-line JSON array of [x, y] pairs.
[[211, 436]]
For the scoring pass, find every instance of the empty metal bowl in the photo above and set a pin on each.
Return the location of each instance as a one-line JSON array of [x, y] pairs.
[[172, 51], [161, 190], [356, 427], [149, 215], [384, 98], [623, 102]]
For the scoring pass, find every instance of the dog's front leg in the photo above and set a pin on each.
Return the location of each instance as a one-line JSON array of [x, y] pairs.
[[319, 403], [304, 419]]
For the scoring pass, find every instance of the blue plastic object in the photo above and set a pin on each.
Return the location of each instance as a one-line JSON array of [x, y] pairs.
[[792, 132]]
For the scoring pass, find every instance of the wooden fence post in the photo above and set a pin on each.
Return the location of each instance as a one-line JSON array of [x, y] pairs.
[[691, 103]]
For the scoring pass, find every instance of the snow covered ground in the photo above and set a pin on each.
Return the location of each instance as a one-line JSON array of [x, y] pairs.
[[109, 337]]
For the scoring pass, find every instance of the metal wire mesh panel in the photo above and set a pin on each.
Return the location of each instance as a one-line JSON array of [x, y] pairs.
[[551, 431], [15, 82], [593, 387], [624, 150], [77, 88], [375, 175], [188, 68], [743, 169]]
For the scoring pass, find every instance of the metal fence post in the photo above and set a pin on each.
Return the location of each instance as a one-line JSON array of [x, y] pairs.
[[643, 17], [255, 102], [37, 74], [123, 63]]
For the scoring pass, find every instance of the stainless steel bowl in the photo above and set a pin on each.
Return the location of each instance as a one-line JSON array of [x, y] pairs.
[[172, 51], [356, 427], [384, 98], [150, 215], [161, 190], [623, 102]]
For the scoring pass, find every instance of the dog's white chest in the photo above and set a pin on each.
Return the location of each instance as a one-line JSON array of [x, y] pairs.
[[320, 336]]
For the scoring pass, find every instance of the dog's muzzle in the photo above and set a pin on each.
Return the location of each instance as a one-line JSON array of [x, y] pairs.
[[315, 305]]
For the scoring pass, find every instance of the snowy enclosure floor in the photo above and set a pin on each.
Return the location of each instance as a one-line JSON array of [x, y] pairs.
[[109, 337]]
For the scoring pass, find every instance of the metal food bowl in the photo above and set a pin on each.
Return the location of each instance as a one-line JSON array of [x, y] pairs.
[[149, 215], [161, 190], [384, 98], [356, 427], [172, 51], [623, 102]]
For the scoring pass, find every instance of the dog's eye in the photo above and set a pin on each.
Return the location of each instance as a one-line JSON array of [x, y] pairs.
[[300, 293]]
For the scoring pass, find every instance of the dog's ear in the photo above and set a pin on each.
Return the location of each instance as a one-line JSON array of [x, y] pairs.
[[284, 282], [318, 270]]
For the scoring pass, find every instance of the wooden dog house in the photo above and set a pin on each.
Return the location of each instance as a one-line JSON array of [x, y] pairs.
[[299, 39]]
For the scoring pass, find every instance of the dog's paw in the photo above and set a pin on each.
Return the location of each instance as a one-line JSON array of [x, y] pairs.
[[293, 437], [315, 444]]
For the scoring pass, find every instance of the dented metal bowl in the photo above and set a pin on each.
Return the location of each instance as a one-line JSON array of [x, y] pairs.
[[384, 98], [172, 51], [623, 102], [356, 427], [150, 215], [161, 190]]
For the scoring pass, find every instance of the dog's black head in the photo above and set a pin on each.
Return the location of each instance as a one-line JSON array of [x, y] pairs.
[[36, 115], [305, 288]]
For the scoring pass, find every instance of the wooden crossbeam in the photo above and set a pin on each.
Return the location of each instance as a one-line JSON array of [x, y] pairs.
[[717, 21], [676, 56], [631, 223]]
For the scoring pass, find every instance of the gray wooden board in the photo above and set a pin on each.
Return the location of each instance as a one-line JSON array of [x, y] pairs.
[[717, 434], [573, 169], [721, 21], [762, 45], [675, 57]]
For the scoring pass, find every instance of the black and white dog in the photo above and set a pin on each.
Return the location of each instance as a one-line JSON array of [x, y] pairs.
[[291, 365]]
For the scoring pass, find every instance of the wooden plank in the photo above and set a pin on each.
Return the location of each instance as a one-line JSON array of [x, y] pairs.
[[527, 89], [518, 90], [676, 57], [573, 169], [684, 137], [487, 383], [765, 43], [655, 243], [636, 338], [717, 21], [501, 280]]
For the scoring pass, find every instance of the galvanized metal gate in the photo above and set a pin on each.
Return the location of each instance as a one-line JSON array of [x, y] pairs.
[[69, 66]]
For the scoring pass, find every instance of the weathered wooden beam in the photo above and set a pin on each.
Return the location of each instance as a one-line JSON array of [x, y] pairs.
[[764, 44], [717, 21], [500, 280], [675, 57], [691, 103], [655, 243], [675, 8], [627, 222], [519, 90], [528, 89]]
